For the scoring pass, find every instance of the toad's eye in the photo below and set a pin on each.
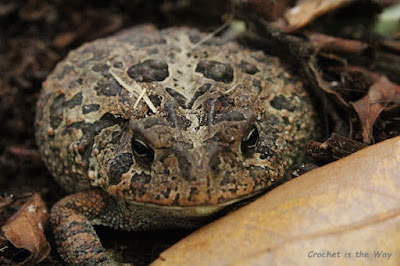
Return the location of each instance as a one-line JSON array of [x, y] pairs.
[[249, 141], [143, 153]]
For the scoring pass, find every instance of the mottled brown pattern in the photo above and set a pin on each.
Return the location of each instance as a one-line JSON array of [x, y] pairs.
[[226, 123]]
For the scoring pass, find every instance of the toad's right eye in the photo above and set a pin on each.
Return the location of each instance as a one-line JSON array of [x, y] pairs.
[[143, 152]]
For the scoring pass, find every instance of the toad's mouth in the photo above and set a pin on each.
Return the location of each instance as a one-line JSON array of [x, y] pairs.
[[200, 196], [201, 210]]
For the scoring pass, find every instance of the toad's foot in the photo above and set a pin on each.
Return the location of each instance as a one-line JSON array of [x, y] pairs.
[[72, 220]]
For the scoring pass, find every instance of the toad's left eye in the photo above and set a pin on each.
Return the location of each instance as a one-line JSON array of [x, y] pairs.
[[142, 152], [249, 142]]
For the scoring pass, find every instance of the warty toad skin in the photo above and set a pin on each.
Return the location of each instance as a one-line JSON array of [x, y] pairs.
[[146, 129]]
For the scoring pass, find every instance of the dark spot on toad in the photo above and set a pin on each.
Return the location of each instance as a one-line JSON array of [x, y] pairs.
[[179, 98], [215, 70], [193, 191], [90, 108], [281, 102], [166, 193], [248, 68], [108, 87], [74, 101], [200, 91], [75, 83], [226, 101], [118, 166], [149, 70], [176, 200], [256, 83], [155, 99], [101, 68]]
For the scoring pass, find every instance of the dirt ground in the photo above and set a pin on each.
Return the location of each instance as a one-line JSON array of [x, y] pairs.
[[35, 35]]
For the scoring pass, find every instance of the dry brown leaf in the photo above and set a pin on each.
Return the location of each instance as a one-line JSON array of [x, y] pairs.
[[25, 228], [307, 10], [349, 206], [368, 108]]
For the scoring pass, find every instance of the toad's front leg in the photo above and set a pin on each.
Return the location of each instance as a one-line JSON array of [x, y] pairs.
[[72, 220]]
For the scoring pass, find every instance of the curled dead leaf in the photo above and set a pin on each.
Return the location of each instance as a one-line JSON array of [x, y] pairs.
[[343, 208], [306, 11], [368, 108], [24, 230]]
